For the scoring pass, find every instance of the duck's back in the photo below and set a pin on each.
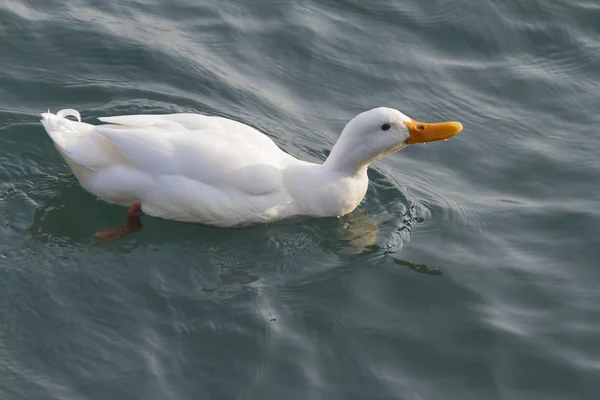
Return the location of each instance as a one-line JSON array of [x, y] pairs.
[[228, 129], [211, 150]]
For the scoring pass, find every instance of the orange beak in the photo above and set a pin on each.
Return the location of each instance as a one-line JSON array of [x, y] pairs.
[[421, 132]]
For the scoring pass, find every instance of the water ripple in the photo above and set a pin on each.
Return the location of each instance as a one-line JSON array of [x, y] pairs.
[[499, 222]]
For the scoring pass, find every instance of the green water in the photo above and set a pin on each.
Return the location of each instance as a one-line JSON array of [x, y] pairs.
[[470, 271]]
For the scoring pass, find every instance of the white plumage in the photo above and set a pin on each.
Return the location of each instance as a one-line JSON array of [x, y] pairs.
[[216, 171]]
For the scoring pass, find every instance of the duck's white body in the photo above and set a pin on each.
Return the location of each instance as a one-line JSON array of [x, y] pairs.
[[216, 171], [198, 168]]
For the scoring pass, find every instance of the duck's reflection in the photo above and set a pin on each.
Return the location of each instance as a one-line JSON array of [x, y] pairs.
[[70, 218], [420, 268], [358, 231]]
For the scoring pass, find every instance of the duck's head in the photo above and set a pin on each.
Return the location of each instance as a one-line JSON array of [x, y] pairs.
[[376, 133]]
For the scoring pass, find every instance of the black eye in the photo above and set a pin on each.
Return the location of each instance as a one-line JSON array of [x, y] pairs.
[[385, 127]]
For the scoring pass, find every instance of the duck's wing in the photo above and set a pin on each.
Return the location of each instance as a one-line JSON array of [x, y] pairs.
[[234, 130], [230, 156]]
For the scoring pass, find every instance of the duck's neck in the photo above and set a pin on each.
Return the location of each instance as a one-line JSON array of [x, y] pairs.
[[353, 159], [347, 159], [320, 190]]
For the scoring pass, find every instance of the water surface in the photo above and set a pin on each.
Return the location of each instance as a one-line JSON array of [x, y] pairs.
[[470, 271]]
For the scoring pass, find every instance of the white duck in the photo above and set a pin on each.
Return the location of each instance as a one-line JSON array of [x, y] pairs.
[[216, 171]]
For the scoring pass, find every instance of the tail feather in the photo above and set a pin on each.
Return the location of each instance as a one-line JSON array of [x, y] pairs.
[[57, 125], [76, 141], [69, 112], [59, 120]]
